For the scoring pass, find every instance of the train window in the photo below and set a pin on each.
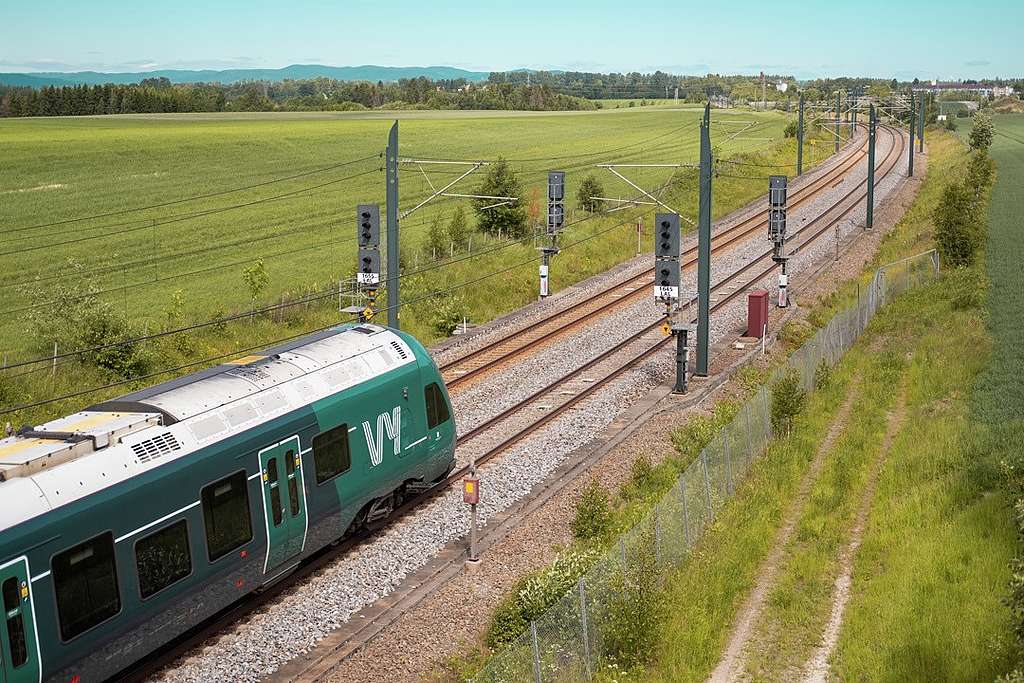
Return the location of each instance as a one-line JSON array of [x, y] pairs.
[[15, 623], [226, 514], [437, 406], [163, 558], [85, 581], [293, 484], [275, 491], [331, 454]]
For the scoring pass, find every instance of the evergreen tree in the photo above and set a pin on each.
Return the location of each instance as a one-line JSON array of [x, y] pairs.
[[590, 188], [458, 231], [508, 219]]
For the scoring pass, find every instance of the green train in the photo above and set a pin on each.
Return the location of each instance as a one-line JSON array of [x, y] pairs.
[[127, 524]]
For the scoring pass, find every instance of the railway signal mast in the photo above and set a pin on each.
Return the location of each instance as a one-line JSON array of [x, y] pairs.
[[556, 219], [368, 268], [667, 285], [777, 231]]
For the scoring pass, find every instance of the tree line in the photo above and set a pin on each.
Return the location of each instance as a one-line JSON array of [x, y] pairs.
[[159, 95]]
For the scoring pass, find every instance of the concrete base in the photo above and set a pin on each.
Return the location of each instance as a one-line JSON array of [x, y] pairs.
[[471, 566]]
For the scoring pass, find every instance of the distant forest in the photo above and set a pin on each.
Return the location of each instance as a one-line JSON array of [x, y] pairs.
[[514, 90], [159, 95]]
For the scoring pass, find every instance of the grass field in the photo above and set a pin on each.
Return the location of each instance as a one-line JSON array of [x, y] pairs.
[[219, 191], [60, 170]]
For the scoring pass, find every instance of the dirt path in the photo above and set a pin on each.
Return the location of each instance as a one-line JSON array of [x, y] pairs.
[[817, 668], [730, 666]]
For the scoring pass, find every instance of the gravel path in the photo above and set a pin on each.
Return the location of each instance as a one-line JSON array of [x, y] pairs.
[[305, 613]]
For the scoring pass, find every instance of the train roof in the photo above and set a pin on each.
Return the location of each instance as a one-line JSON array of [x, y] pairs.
[[71, 457]]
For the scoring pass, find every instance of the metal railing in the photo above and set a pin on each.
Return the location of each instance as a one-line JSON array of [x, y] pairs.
[[590, 624]]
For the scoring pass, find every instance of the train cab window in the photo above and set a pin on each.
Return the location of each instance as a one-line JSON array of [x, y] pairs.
[[437, 406], [85, 581], [226, 514], [163, 558], [15, 623], [331, 454]]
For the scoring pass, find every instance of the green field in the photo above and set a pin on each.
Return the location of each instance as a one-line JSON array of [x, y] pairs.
[[225, 189]]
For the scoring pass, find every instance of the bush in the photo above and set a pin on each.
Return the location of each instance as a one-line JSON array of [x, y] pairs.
[[449, 312], [950, 124], [791, 130], [589, 189], [641, 479], [822, 375], [593, 517], [981, 171], [957, 229], [795, 333], [437, 242], [967, 287], [534, 594], [628, 624], [788, 398], [982, 132]]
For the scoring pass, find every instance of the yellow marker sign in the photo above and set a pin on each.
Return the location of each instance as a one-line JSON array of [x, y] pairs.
[[666, 329], [367, 312]]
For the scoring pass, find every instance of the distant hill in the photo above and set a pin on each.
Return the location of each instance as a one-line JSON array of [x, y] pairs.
[[295, 71]]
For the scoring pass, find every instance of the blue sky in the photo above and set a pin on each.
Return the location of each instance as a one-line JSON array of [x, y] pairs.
[[891, 38]]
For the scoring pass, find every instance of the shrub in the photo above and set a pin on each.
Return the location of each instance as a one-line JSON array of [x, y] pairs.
[[967, 287], [788, 398], [791, 130], [981, 171], [982, 132], [449, 311], [629, 620], [822, 375], [794, 333], [640, 480], [589, 189], [593, 517], [951, 124], [957, 229], [534, 594]]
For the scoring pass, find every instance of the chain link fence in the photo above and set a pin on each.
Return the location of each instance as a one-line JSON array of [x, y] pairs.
[[600, 619]]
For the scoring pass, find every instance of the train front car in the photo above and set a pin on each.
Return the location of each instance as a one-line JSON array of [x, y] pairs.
[[125, 525]]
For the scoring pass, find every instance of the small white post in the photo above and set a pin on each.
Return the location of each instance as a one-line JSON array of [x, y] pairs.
[[53, 371], [764, 333]]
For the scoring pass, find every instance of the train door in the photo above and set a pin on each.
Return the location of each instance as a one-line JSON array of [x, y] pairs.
[[19, 645], [284, 502]]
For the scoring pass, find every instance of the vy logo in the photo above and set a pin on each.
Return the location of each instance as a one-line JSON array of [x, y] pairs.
[[392, 424]]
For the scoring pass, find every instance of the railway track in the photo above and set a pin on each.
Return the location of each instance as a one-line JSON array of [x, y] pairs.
[[476, 363], [609, 365]]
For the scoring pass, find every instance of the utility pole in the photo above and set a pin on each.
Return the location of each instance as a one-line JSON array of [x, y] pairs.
[[764, 92], [872, 123], [910, 159], [704, 246], [800, 137], [391, 178], [837, 122]]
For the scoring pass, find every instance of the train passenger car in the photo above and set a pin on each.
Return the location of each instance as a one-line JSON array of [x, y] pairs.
[[126, 524]]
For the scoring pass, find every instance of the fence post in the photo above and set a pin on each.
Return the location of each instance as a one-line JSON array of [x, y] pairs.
[[583, 624], [707, 481], [686, 511], [750, 432], [536, 652]]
